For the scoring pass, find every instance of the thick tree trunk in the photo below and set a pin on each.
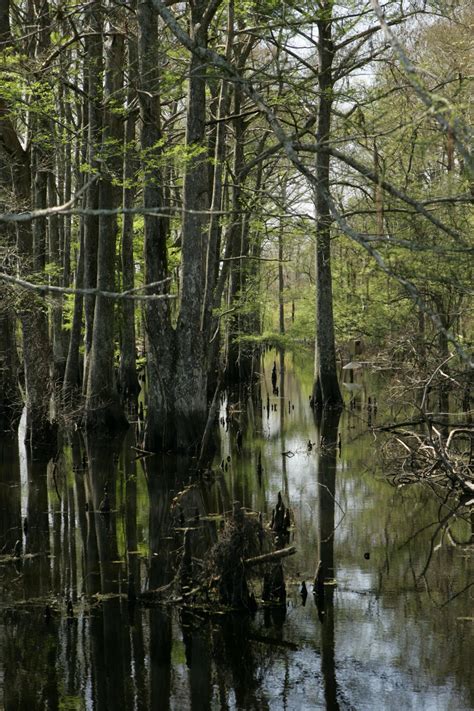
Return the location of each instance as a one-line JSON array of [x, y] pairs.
[[160, 337], [191, 366], [326, 392], [103, 408], [36, 363], [177, 360]]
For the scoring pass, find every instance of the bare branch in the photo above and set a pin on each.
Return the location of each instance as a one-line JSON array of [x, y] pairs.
[[44, 289], [395, 192]]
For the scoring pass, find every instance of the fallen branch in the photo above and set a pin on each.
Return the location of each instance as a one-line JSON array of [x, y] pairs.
[[270, 557]]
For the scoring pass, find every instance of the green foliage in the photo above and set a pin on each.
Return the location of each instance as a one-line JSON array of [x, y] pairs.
[[68, 311], [71, 703]]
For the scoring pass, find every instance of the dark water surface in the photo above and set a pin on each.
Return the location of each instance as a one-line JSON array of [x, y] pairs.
[[397, 627]]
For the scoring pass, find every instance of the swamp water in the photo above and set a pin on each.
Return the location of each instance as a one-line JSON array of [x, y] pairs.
[[396, 631]]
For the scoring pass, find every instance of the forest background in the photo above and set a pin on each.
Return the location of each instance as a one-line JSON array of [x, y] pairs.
[[184, 183]]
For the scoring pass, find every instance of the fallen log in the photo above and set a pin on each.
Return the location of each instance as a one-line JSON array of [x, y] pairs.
[[270, 557]]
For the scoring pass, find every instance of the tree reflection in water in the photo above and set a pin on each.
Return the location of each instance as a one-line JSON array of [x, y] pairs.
[[325, 575], [104, 523]]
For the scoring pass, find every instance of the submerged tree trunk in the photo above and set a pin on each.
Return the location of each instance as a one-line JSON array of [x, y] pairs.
[[326, 392], [177, 359]]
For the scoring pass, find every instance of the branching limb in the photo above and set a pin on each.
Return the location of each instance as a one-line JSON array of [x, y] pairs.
[[131, 294]]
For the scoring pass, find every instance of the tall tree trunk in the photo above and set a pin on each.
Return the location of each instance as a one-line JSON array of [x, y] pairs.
[[210, 298], [128, 373], [177, 360], [237, 265], [326, 392], [31, 310], [281, 305], [94, 74], [72, 379], [103, 409], [160, 337], [33, 316], [59, 356], [10, 397], [191, 365], [72, 374], [239, 355]]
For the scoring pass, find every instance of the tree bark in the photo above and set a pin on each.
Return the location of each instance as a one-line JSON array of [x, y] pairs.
[[128, 373], [160, 337], [191, 365], [281, 305], [94, 74], [72, 381], [59, 356], [326, 392], [103, 409], [30, 308], [238, 266], [9, 393], [239, 355]]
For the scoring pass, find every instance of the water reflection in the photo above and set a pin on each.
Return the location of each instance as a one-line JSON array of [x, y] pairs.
[[84, 533], [325, 574]]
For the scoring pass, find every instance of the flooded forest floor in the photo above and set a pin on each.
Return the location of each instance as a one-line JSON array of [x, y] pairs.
[[86, 540]]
